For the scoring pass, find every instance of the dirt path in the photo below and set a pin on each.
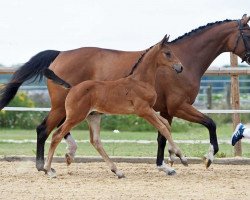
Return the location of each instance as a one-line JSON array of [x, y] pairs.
[[20, 180]]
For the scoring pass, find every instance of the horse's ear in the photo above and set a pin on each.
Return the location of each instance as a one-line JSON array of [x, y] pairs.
[[164, 40], [245, 19]]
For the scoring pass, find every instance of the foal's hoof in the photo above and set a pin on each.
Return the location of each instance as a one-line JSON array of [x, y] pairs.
[[184, 161], [120, 174], [207, 162], [68, 158], [171, 161], [51, 173]]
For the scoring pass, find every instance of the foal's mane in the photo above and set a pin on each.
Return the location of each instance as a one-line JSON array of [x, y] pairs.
[[139, 61], [201, 28]]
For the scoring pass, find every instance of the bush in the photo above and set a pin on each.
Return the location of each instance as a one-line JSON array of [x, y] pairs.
[[19, 119]]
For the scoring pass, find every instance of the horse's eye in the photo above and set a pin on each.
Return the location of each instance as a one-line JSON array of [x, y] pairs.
[[168, 54]]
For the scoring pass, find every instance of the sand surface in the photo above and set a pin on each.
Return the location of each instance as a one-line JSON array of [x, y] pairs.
[[20, 180]]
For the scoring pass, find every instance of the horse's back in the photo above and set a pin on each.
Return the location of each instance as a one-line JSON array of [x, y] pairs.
[[93, 63]]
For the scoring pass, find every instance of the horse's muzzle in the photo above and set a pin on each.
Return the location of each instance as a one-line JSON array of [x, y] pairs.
[[178, 68]]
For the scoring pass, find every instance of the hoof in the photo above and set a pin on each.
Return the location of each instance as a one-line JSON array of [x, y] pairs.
[[184, 161], [207, 162], [120, 174], [171, 162], [171, 173], [69, 159], [51, 173], [168, 170], [40, 166]]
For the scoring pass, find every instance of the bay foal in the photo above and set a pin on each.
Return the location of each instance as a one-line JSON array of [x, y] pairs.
[[134, 94]]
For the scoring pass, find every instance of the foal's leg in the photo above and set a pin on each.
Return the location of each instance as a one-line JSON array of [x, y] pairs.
[[188, 112], [166, 123], [56, 139], [94, 127], [161, 166], [151, 116], [171, 154], [71, 146]]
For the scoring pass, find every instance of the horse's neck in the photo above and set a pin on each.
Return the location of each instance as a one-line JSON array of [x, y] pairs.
[[198, 51]]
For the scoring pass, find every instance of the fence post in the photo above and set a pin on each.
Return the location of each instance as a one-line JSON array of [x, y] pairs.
[[209, 97], [235, 101], [228, 96]]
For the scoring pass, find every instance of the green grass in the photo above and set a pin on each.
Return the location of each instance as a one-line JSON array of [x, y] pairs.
[[198, 132], [124, 149]]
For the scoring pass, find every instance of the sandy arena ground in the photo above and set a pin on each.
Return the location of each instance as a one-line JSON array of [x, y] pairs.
[[20, 180]]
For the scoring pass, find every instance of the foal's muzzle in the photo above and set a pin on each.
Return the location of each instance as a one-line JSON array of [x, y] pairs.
[[178, 68]]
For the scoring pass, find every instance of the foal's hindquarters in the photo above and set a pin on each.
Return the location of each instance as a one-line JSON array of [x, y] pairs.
[[114, 97]]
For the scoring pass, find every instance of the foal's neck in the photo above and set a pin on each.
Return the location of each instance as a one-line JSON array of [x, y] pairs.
[[146, 69]]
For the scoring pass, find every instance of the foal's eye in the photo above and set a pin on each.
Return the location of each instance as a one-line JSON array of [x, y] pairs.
[[168, 54]]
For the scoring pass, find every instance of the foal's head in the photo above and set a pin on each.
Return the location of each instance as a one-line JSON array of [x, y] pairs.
[[165, 56]]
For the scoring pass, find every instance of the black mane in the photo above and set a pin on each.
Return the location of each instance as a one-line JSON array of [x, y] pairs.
[[199, 29]]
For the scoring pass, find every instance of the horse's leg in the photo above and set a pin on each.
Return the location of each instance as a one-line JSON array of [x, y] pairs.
[[94, 127], [161, 140], [188, 112], [43, 131], [152, 117]]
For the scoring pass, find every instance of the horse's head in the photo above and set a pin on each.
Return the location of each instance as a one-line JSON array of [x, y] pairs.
[[166, 56], [242, 39]]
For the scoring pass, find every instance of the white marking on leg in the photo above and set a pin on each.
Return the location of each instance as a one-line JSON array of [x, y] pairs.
[[165, 168], [71, 146], [210, 154]]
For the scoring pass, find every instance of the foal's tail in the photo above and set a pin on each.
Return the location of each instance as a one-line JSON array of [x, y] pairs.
[[31, 70], [56, 79]]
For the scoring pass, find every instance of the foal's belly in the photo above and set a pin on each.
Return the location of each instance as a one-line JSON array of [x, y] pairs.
[[115, 107]]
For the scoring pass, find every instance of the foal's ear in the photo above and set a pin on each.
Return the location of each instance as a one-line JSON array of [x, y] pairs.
[[245, 19], [164, 40]]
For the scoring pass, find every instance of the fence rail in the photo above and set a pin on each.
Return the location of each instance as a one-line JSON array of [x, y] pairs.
[[26, 109], [212, 72]]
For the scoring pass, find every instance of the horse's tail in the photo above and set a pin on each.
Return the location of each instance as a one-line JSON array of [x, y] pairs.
[[31, 70], [56, 79]]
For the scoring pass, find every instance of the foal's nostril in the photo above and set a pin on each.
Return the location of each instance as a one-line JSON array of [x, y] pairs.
[[181, 69], [178, 68]]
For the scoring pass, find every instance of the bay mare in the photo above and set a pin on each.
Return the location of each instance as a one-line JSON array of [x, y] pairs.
[[134, 94], [175, 94]]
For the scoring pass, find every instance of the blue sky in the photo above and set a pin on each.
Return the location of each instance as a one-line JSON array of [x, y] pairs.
[[29, 26]]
